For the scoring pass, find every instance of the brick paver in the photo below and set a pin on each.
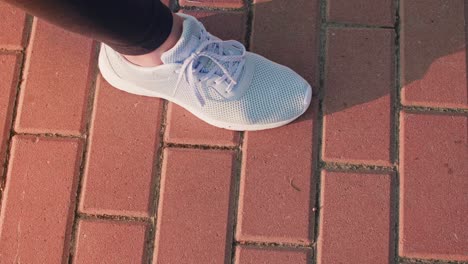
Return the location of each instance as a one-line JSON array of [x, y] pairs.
[[359, 237], [434, 172], [359, 80], [124, 140], [286, 32], [374, 172], [11, 29], [433, 53], [376, 12], [58, 75], [194, 212], [277, 186], [185, 128], [38, 202], [110, 242], [251, 255]]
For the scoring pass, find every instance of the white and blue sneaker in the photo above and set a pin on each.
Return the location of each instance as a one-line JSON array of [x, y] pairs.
[[217, 81]]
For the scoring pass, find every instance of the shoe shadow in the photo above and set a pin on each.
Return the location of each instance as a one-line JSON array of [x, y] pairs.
[[288, 32]]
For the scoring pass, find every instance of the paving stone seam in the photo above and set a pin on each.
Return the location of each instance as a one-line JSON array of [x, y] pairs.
[[20, 79], [353, 25], [119, 218], [93, 82], [200, 146], [396, 105], [156, 187], [351, 167], [5, 51], [259, 244], [403, 260], [49, 135], [249, 23], [434, 110], [320, 122], [234, 207]]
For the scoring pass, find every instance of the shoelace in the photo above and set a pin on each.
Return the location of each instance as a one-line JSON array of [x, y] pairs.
[[213, 49]]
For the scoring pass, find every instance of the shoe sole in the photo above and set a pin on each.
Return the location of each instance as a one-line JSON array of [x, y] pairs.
[[123, 85]]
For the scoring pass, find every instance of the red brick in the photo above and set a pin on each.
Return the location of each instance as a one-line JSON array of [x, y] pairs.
[[251, 255], [194, 222], [277, 191], [110, 242], [55, 96], [375, 12], [122, 152], [9, 70], [38, 202], [356, 218], [433, 53], [215, 23], [185, 128], [12, 26], [213, 3], [434, 204], [287, 32], [359, 82]]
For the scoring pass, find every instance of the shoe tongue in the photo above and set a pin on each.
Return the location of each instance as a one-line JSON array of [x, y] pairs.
[[187, 43]]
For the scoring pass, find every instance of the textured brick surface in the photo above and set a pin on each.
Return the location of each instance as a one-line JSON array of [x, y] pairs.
[[215, 23], [9, 71], [359, 80], [356, 218], [110, 242], [434, 204], [38, 203], [251, 255], [55, 97], [185, 128], [194, 223], [433, 53], [276, 192], [213, 3], [287, 32], [122, 153], [268, 193], [375, 12], [11, 27]]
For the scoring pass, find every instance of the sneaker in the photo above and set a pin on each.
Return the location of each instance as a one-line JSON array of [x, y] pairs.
[[217, 81]]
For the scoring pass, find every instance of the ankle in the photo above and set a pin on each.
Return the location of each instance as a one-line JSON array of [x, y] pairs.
[[154, 58]]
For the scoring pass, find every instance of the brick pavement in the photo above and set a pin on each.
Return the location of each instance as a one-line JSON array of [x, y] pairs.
[[375, 172]]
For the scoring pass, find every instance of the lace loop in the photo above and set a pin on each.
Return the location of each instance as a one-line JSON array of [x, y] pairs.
[[213, 50]]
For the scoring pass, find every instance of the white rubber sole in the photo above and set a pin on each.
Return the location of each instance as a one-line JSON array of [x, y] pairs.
[[121, 84]]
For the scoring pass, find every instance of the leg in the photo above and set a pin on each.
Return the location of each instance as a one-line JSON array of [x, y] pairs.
[[131, 27]]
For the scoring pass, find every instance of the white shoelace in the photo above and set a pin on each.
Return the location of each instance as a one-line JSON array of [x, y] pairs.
[[213, 49]]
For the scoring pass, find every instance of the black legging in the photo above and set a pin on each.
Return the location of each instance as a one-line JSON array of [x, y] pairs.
[[131, 27]]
